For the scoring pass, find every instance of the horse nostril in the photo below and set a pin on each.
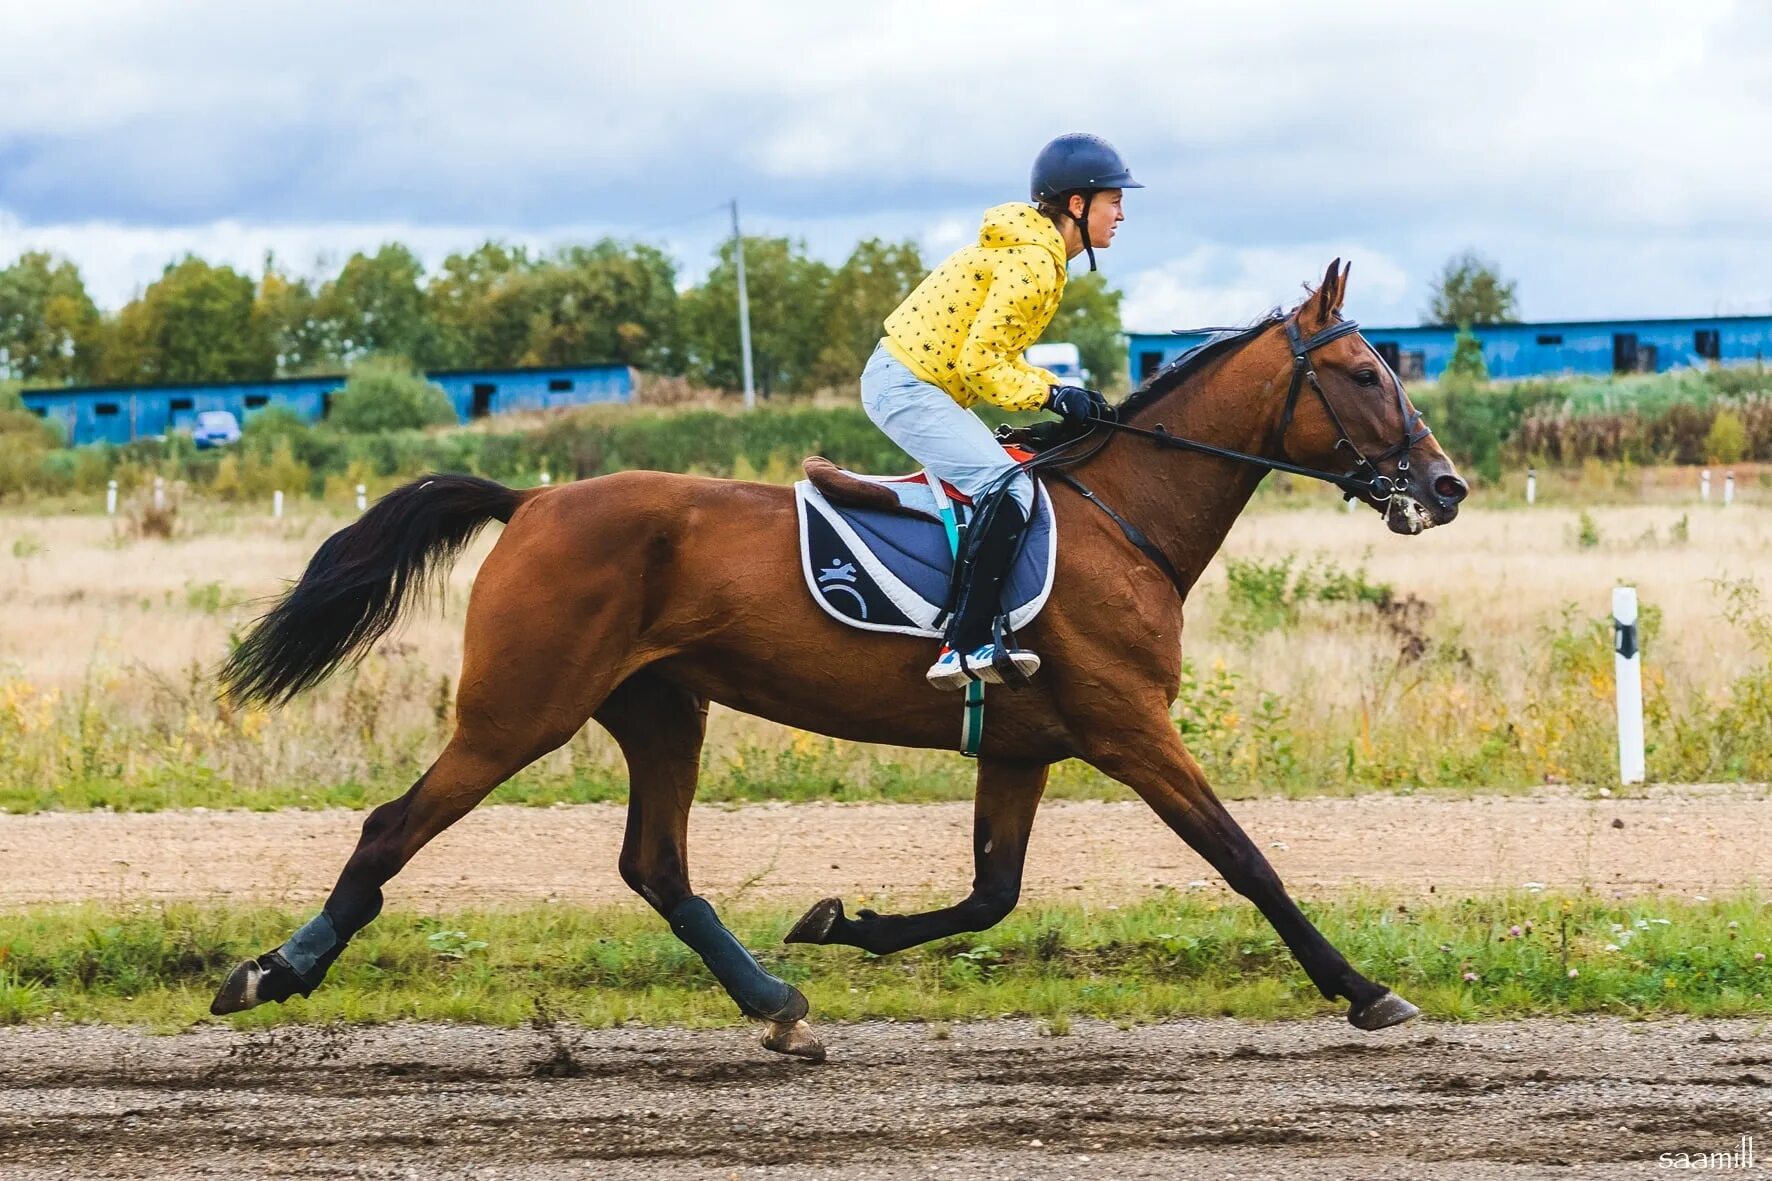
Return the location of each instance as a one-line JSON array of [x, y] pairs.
[[1451, 489]]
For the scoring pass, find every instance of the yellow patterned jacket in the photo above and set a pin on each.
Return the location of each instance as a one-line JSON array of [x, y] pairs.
[[965, 327]]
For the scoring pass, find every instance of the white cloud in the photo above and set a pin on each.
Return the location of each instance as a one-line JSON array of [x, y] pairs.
[[1606, 151], [1224, 285]]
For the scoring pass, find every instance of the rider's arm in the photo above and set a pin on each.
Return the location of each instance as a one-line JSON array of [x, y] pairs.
[[990, 360]]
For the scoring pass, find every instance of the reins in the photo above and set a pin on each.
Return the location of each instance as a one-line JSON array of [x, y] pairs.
[[1374, 484], [1364, 481]]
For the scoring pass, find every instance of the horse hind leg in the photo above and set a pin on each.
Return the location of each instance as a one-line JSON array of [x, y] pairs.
[[659, 727], [392, 835], [530, 679]]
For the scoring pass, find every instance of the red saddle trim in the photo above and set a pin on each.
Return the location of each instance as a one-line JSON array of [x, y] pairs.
[[1018, 454]]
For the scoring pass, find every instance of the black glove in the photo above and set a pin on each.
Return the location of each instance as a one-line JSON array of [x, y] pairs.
[[1077, 404]]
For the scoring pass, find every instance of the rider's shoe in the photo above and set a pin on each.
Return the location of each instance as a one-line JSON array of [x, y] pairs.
[[947, 673]]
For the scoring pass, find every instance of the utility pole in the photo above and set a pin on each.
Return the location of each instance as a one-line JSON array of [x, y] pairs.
[[744, 314]]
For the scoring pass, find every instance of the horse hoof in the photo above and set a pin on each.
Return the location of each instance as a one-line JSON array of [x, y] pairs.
[[815, 925], [1388, 1010], [240, 991], [795, 1039]]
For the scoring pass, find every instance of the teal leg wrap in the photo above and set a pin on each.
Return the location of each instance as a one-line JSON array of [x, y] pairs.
[[309, 946], [757, 992]]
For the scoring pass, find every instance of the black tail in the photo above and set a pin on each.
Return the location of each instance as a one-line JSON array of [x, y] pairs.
[[359, 581]]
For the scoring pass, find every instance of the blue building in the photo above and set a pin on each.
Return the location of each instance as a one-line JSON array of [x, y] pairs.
[[119, 413], [1549, 348]]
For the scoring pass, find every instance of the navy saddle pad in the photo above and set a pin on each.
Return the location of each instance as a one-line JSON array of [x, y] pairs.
[[885, 572]]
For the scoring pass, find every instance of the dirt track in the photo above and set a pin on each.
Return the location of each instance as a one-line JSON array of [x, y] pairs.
[[1688, 839], [1304, 1101]]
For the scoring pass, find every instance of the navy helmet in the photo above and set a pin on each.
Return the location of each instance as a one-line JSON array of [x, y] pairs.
[[1079, 162]]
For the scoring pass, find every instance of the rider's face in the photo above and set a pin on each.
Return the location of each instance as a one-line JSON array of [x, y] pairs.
[[1105, 216]]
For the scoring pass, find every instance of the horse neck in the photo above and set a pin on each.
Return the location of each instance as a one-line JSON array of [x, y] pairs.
[[1185, 502]]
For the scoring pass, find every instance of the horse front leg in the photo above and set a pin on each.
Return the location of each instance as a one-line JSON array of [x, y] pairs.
[[1154, 763], [1003, 818]]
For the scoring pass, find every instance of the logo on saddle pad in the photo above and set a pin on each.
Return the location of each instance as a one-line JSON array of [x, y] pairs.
[[841, 576]]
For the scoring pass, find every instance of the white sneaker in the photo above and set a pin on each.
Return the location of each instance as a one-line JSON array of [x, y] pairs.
[[947, 673]]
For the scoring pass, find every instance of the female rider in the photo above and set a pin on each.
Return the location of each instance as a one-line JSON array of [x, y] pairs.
[[958, 339]]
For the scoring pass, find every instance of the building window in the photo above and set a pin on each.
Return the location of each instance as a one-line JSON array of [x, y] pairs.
[[1550, 338], [1624, 352], [1708, 343], [1148, 364], [1414, 366], [559, 385], [178, 404], [39, 411], [1389, 351], [482, 404], [254, 401], [105, 409]]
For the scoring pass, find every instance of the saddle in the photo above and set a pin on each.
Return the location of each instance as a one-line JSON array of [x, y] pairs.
[[877, 551]]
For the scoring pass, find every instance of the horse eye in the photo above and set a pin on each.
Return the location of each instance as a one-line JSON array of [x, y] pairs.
[[1367, 377]]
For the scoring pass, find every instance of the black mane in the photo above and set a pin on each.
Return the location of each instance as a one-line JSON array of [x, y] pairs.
[[1227, 340]]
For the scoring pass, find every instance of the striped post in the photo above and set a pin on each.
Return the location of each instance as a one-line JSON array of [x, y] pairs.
[[1531, 485], [362, 498], [1628, 669], [277, 505], [110, 498]]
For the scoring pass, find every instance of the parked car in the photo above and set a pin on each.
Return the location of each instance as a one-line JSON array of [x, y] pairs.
[[215, 428]]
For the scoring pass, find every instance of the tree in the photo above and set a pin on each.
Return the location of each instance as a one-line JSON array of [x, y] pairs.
[[195, 323], [862, 292], [600, 303], [50, 330], [377, 306], [385, 394], [1470, 290], [286, 310], [478, 307], [786, 291], [1089, 317]]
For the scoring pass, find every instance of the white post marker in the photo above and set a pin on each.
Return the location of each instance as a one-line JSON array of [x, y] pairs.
[[159, 493], [1704, 484], [1728, 489], [546, 478], [110, 498], [362, 498], [1531, 485], [277, 504], [1349, 502], [1628, 670]]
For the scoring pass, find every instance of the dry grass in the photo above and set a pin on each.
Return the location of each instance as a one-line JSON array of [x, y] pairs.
[[106, 641]]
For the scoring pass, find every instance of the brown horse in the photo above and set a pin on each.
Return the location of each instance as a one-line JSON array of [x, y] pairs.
[[638, 598]]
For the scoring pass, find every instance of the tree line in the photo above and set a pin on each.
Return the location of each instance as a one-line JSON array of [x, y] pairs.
[[497, 305]]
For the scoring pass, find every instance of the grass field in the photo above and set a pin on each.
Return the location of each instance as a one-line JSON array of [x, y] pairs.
[[1323, 654], [1182, 954]]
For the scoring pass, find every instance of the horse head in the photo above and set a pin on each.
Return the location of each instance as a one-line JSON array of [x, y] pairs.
[[1347, 413]]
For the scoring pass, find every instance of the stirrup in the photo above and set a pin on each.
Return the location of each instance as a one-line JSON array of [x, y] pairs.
[[984, 663]]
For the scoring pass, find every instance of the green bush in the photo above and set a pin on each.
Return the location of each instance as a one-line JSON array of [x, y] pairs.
[[386, 394]]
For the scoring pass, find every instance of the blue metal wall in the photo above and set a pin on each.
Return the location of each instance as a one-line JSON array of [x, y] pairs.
[[1596, 347], [117, 414]]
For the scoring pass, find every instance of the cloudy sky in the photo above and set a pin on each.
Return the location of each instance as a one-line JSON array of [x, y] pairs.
[[1612, 156]]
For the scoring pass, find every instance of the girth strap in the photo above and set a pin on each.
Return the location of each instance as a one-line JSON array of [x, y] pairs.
[[1133, 533]]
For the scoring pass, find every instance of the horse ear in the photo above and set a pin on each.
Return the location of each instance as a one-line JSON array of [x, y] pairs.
[[1327, 298]]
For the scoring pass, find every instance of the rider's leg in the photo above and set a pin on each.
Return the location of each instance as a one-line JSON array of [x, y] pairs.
[[956, 446]]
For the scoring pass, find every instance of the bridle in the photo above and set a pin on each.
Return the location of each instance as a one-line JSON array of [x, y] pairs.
[[1365, 480]]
